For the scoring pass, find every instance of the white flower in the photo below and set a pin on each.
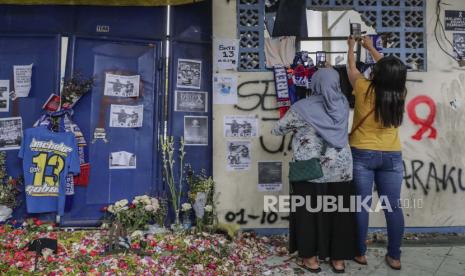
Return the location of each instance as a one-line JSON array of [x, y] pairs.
[[155, 203], [186, 207], [208, 208], [145, 197], [122, 203], [47, 252], [148, 208], [111, 209], [136, 234]]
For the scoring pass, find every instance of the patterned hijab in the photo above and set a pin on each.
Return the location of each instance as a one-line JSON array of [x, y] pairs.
[[327, 110]]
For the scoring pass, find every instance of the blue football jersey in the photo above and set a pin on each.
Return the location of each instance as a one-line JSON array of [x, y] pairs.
[[48, 157]]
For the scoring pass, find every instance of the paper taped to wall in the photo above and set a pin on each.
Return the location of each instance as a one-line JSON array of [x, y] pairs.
[[22, 79]]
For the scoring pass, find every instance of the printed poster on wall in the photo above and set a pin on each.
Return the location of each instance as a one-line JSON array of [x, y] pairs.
[[191, 101], [224, 89], [454, 21], [196, 130], [11, 133], [22, 75], [240, 126], [270, 176], [189, 73], [122, 160], [121, 86], [226, 53], [128, 116], [238, 155], [459, 45], [4, 95]]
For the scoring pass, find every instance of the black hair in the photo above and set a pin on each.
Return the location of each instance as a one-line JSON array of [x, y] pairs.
[[388, 84]]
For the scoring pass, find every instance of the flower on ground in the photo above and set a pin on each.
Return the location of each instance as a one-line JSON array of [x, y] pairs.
[[208, 208], [186, 207]]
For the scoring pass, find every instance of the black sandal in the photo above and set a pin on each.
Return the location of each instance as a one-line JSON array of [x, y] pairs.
[[335, 270], [312, 270], [359, 262], [389, 264]]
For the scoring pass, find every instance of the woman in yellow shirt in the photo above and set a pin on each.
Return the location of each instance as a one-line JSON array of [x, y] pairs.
[[375, 143]]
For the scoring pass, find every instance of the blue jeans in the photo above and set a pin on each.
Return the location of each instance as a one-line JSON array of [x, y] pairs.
[[385, 168]]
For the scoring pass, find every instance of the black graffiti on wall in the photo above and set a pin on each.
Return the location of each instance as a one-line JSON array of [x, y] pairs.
[[256, 93], [243, 218], [258, 90], [427, 177]]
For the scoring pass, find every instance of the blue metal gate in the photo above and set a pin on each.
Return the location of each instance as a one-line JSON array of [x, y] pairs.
[[121, 40]]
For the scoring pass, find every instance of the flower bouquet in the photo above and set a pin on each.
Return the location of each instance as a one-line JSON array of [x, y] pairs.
[[136, 215], [74, 88], [202, 197]]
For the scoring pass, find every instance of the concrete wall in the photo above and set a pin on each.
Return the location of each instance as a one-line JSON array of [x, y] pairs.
[[434, 175]]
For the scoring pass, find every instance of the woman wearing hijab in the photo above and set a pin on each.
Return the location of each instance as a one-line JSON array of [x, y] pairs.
[[320, 121]]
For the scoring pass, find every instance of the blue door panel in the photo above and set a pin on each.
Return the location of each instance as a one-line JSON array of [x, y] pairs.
[[93, 56], [43, 52], [199, 157]]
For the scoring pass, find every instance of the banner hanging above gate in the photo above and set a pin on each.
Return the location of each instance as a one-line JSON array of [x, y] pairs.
[[100, 2]]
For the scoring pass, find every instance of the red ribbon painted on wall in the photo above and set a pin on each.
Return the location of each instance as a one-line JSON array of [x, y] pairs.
[[425, 124]]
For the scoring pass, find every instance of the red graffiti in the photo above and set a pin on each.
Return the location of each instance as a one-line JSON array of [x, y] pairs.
[[426, 124]]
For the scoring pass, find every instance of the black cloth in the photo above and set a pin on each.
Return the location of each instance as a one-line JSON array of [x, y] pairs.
[[291, 19], [346, 87], [272, 6], [323, 234]]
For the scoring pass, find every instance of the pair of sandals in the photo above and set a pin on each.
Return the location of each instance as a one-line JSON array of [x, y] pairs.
[[318, 270], [387, 259]]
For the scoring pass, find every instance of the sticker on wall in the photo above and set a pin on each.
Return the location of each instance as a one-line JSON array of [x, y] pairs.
[[196, 130], [240, 126], [270, 176], [22, 75], [100, 134], [226, 53], [121, 86], [454, 20], [189, 74], [128, 116], [191, 101], [224, 89], [122, 160], [4, 95], [11, 133], [459, 45], [238, 155]]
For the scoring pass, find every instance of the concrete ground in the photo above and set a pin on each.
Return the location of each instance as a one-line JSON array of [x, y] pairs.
[[441, 260]]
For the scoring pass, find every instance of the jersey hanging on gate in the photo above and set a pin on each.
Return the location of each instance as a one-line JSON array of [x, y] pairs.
[[48, 157]]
